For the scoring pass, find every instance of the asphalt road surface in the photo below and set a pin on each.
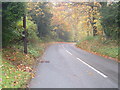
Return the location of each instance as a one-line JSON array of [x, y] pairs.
[[65, 66]]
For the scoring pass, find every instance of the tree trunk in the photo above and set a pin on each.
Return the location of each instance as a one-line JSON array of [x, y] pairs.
[[93, 19]]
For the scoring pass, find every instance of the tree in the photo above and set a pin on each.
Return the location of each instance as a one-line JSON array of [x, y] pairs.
[[110, 20], [11, 13], [40, 13], [81, 19]]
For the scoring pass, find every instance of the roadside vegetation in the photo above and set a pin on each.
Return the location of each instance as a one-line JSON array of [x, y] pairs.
[[106, 44], [96, 45], [18, 67]]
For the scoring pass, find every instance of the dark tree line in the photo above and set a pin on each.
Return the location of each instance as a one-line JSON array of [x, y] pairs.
[[111, 19], [11, 13]]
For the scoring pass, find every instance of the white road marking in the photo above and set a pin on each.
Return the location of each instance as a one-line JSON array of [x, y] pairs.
[[68, 52], [93, 68], [87, 64]]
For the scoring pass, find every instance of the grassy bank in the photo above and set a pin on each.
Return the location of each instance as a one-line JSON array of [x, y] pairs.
[[17, 67], [100, 46]]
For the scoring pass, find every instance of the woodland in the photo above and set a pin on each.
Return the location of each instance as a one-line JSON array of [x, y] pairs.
[[29, 27]]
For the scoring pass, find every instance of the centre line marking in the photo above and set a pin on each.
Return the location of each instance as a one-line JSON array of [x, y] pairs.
[[87, 65], [68, 52], [93, 68]]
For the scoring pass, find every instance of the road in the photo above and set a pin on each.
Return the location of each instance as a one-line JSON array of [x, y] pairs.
[[71, 67]]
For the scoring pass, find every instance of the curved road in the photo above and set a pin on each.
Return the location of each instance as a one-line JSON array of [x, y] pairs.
[[69, 67]]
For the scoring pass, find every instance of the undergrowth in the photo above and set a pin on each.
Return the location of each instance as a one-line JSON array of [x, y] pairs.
[[100, 45], [17, 67]]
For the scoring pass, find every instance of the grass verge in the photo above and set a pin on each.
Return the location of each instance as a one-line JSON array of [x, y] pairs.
[[17, 67], [13, 77], [99, 46]]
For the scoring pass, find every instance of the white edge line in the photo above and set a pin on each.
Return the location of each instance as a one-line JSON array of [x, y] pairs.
[[93, 68]]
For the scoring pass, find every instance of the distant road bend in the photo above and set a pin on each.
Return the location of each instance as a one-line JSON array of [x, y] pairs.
[[71, 67]]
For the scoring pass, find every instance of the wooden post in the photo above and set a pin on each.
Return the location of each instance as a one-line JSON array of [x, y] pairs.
[[25, 34]]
